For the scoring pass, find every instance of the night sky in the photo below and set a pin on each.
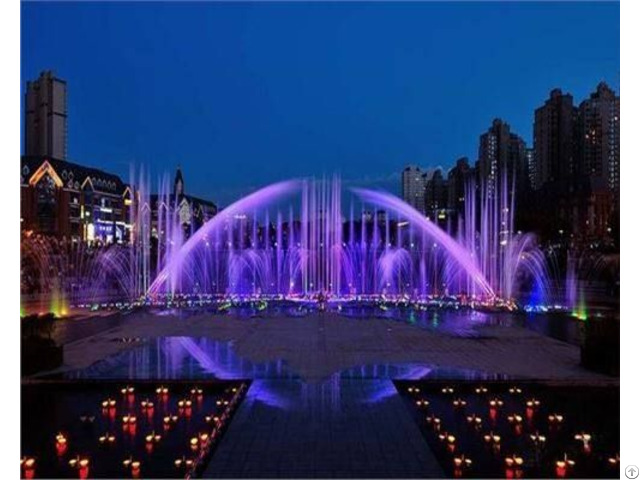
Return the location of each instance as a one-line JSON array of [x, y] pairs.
[[241, 95]]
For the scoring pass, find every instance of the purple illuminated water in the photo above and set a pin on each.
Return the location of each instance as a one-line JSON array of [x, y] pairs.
[[293, 240], [308, 248]]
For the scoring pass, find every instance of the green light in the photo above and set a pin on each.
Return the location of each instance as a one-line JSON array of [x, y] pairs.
[[58, 306], [580, 312]]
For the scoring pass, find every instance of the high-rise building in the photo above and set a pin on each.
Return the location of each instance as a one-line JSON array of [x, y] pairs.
[[46, 117], [436, 195], [554, 141], [599, 133], [531, 164], [502, 160], [598, 163], [457, 185], [413, 187], [577, 164]]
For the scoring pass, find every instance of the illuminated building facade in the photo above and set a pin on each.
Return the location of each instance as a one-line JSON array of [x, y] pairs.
[[458, 179], [413, 185], [502, 159], [577, 162], [190, 212], [74, 202], [436, 196], [598, 128]]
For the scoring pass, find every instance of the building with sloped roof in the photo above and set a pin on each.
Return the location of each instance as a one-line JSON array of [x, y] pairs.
[[190, 211], [75, 202]]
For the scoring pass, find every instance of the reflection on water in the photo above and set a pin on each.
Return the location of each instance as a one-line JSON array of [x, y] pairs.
[[313, 418], [205, 358], [182, 358], [461, 322], [465, 323], [275, 383]]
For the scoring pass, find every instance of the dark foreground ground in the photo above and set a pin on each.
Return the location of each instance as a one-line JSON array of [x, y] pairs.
[[322, 401]]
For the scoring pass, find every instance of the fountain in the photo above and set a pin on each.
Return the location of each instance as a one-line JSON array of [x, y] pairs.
[[293, 240], [262, 247]]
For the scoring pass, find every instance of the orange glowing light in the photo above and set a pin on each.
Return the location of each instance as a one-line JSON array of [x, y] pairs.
[[491, 438], [153, 437], [513, 461], [474, 419], [584, 437], [555, 418], [43, 170], [462, 461], [433, 420], [129, 419], [183, 461], [107, 438], [566, 462], [537, 438], [514, 418]]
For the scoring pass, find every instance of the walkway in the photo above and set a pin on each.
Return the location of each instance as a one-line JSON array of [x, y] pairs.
[[340, 428]]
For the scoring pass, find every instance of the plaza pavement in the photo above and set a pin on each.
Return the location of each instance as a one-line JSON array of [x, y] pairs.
[[321, 344], [324, 425]]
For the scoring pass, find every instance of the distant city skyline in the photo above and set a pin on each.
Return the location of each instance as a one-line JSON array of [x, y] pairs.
[[241, 95]]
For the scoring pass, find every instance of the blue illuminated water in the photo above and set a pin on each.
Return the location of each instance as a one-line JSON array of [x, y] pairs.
[[289, 426], [204, 358], [349, 423]]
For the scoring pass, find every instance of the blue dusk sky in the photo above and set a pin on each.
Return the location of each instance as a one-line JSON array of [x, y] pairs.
[[245, 94]]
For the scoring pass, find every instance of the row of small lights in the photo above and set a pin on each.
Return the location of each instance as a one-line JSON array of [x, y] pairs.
[[514, 462], [200, 444]]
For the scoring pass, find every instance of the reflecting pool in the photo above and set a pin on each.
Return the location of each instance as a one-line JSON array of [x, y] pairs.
[[204, 358]]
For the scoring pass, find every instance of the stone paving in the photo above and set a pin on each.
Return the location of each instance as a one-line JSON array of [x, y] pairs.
[[322, 425], [331, 432], [319, 345]]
